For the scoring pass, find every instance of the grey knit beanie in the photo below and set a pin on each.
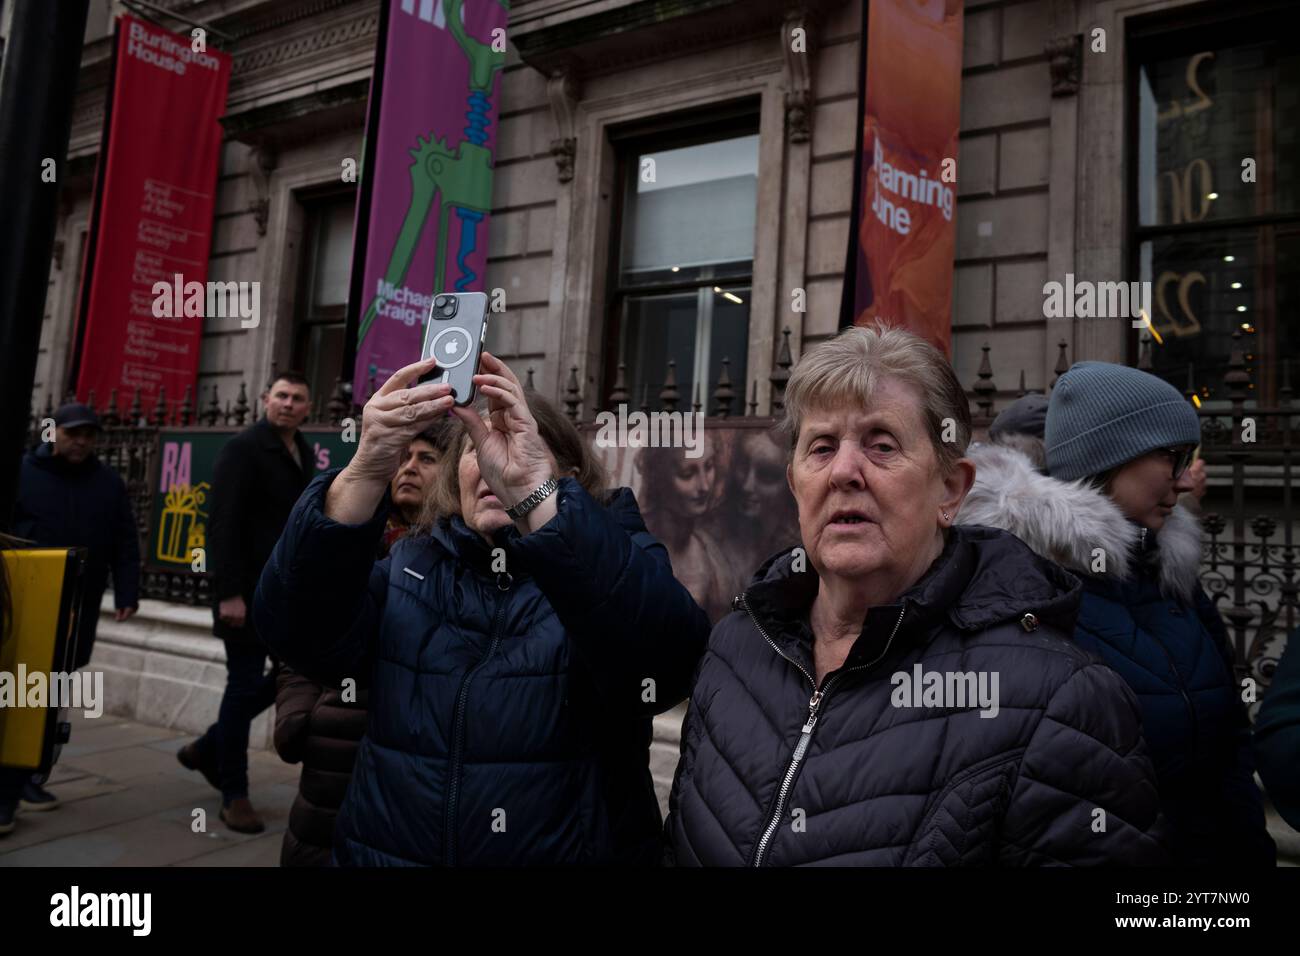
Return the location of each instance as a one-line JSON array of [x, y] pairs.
[[1102, 415], [1025, 416]]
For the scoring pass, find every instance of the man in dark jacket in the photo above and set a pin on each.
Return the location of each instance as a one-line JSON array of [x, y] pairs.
[[257, 479], [67, 496]]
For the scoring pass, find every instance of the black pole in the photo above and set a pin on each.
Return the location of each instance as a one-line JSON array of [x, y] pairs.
[[38, 83], [849, 289]]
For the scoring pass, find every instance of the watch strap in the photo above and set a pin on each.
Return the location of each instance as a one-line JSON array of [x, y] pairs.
[[535, 498]]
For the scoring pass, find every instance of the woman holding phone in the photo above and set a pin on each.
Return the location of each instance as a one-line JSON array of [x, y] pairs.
[[514, 656]]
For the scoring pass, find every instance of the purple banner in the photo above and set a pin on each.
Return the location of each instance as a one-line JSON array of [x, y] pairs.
[[427, 189]]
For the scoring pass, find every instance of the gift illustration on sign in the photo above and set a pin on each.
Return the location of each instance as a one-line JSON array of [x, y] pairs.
[[184, 522]]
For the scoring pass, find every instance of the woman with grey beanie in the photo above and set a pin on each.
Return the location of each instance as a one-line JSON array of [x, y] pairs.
[[1118, 443]]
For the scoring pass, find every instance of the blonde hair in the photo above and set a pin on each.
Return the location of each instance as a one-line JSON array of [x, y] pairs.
[[561, 436], [848, 367]]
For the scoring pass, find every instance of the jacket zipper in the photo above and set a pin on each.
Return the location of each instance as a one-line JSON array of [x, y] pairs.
[[805, 736], [1173, 669], [458, 733], [1182, 688]]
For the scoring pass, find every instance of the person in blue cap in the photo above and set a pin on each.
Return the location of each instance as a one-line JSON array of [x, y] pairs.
[[68, 497]]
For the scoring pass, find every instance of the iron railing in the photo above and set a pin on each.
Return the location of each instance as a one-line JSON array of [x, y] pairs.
[[1250, 568]]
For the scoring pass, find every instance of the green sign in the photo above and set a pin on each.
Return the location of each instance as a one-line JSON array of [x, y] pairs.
[[182, 489]]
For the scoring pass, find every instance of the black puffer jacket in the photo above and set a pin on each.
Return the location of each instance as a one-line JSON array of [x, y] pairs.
[[321, 727], [769, 776]]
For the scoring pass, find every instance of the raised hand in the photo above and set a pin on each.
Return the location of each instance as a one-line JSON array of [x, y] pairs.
[[395, 414], [512, 457]]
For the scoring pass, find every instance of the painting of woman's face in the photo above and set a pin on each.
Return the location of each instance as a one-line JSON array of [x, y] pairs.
[[762, 473], [691, 484]]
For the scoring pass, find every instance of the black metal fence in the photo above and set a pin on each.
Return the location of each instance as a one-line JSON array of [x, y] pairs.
[[1251, 564]]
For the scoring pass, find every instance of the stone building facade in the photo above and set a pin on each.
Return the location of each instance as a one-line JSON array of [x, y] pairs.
[[1042, 177]]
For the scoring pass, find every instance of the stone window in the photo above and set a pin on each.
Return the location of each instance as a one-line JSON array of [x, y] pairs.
[[683, 257], [1217, 200], [321, 302]]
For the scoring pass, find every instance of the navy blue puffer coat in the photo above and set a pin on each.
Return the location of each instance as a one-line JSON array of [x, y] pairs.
[[775, 772], [1145, 614], [509, 712]]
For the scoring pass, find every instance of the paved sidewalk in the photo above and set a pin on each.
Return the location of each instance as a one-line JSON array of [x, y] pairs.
[[126, 801]]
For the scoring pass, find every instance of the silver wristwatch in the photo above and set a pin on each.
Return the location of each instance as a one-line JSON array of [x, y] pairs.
[[543, 491]]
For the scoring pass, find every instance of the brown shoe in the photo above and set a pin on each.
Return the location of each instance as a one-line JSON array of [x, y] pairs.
[[240, 816], [190, 760]]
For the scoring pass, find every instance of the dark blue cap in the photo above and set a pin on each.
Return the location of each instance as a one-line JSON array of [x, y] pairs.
[[74, 415]]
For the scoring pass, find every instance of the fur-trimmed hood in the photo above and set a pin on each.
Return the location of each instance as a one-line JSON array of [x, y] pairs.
[[1066, 521]]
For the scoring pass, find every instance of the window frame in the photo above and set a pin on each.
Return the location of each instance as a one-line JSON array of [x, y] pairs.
[[313, 203], [1161, 37], [663, 132]]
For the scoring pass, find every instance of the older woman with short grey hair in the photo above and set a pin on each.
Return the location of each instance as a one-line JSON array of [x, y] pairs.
[[897, 690]]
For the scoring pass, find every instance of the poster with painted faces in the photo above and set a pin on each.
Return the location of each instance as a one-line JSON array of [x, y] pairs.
[[721, 507]]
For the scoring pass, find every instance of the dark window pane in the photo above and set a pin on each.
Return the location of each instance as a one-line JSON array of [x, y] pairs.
[[318, 342], [729, 340], [1202, 114], [1206, 286], [691, 206], [320, 356], [656, 329], [333, 255]]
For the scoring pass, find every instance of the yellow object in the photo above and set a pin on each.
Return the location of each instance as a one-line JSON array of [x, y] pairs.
[[45, 591], [180, 527]]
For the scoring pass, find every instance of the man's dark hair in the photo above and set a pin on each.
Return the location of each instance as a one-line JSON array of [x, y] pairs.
[[292, 376]]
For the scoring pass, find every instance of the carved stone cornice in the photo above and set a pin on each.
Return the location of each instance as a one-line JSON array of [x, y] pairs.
[[1065, 55], [647, 30], [796, 47], [562, 89], [246, 24], [306, 44], [284, 122], [270, 14]]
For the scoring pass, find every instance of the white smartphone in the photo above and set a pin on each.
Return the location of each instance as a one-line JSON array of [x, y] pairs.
[[454, 335]]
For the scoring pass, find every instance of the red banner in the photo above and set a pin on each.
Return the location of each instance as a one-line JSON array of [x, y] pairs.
[[153, 221], [906, 225]]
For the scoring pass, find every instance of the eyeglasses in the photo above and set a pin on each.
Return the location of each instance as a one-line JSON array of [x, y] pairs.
[[1179, 458]]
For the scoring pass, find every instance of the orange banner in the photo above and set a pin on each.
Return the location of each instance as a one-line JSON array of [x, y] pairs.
[[906, 226]]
